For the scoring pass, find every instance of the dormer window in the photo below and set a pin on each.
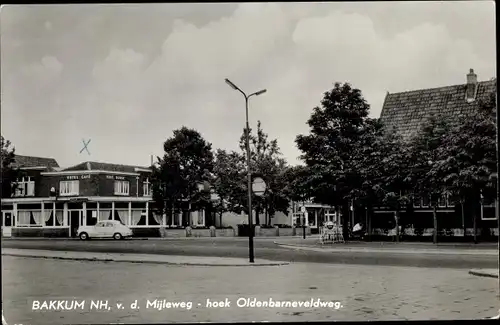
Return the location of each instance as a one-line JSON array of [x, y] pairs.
[[147, 188], [25, 186], [69, 188], [122, 188]]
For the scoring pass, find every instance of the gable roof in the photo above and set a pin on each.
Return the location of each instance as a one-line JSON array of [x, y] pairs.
[[92, 165], [31, 161], [405, 112]]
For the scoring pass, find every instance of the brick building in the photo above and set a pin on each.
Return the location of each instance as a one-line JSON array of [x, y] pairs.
[[50, 201], [405, 113]]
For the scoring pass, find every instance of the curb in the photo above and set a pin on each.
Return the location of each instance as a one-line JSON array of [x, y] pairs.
[[296, 245], [483, 274], [95, 259], [400, 244], [350, 249]]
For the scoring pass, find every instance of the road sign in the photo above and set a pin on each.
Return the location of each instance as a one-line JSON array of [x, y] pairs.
[[258, 186]]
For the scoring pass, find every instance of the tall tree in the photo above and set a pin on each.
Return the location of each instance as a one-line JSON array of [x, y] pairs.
[[187, 163], [335, 128], [425, 157], [380, 165], [267, 162], [393, 186], [8, 174], [229, 182], [297, 183], [468, 158]]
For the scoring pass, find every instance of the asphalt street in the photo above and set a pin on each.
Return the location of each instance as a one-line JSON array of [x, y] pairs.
[[358, 293], [265, 249]]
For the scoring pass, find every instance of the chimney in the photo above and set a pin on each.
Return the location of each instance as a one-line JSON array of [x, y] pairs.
[[470, 94], [152, 160], [88, 166]]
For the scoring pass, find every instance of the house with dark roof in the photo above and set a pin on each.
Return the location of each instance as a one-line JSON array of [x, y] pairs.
[[34, 163], [406, 112], [50, 201]]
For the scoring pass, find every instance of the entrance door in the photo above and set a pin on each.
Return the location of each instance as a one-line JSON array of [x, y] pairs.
[[7, 223], [75, 221]]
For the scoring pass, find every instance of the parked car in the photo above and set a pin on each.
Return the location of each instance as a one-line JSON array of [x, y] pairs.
[[105, 229]]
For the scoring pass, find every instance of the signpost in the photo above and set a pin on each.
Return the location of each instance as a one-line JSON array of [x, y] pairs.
[[303, 210], [259, 189]]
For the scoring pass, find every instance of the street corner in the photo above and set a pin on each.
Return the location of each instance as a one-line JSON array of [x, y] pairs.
[[487, 273], [300, 242], [174, 260]]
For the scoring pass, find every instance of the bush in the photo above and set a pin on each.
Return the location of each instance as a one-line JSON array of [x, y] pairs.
[[445, 232], [418, 231], [40, 232], [486, 233], [283, 226], [146, 232]]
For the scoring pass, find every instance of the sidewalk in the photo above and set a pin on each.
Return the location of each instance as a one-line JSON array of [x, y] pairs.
[[488, 273], [138, 258], [273, 238], [396, 248], [314, 241]]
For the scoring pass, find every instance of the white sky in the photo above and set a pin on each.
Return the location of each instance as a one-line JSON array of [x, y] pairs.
[[126, 76]]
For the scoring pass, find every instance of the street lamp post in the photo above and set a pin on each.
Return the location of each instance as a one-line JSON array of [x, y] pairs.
[[249, 175]]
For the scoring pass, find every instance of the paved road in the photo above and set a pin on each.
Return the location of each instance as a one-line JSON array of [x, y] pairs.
[[373, 293], [265, 249]]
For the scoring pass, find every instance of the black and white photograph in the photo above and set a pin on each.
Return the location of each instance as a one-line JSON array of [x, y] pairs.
[[249, 162]]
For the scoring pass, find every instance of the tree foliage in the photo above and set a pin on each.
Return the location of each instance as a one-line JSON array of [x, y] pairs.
[[8, 174], [229, 181], [381, 161], [267, 162], [336, 129], [426, 159], [186, 163], [468, 154]]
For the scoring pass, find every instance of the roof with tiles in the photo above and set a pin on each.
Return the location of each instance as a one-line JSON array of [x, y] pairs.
[[405, 112], [30, 161], [92, 165]]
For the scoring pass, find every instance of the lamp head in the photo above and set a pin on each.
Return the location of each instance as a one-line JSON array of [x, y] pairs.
[[231, 84]]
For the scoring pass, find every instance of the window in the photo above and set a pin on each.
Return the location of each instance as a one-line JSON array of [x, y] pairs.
[[442, 200], [450, 200], [24, 187], [489, 210], [146, 188], [417, 201], [426, 201], [67, 188], [121, 188], [198, 218]]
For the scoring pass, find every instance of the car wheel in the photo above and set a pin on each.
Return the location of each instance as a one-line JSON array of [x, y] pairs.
[[117, 236], [84, 236]]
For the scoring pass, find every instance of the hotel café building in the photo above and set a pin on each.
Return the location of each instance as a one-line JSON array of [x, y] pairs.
[[53, 202]]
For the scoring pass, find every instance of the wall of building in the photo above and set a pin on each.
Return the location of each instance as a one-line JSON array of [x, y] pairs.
[[231, 219], [107, 185], [89, 184]]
